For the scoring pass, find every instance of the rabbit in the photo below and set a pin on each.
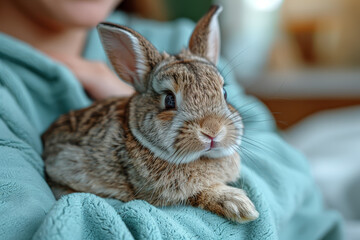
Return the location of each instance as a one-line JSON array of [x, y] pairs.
[[173, 142]]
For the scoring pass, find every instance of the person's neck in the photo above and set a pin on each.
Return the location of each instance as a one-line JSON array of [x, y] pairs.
[[50, 40]]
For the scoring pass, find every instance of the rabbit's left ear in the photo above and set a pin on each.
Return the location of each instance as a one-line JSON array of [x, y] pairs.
[[132, 56], [205, 40]]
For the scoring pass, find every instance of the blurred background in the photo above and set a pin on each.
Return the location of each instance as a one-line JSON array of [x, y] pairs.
[[301, 58]]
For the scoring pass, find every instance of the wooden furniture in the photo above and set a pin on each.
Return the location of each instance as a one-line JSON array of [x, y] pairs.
[[292, 96]]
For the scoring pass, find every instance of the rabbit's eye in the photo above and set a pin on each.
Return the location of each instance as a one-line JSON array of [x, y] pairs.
[[170, 101], [225, 93]]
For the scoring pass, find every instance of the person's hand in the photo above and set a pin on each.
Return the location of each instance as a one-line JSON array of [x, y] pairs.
[[97, 78]]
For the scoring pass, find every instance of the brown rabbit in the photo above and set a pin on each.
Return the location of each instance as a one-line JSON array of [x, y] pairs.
[[173, 142]]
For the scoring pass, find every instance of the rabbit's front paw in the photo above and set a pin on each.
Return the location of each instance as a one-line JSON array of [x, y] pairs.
[[231, 203], [237, 206]]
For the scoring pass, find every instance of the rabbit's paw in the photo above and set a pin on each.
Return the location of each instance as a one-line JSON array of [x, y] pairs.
[[229, 202]]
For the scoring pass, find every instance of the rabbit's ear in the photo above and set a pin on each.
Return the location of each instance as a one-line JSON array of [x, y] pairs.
[[205, 40], [132, 56]]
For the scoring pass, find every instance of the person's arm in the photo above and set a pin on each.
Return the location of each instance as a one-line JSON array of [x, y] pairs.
[[96, 77], [25, 197]]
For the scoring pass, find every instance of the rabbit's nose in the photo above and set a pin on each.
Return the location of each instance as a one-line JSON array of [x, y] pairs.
[[210, 127]]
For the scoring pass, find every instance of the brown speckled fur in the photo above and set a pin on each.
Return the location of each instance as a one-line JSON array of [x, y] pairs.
[[98, 149]]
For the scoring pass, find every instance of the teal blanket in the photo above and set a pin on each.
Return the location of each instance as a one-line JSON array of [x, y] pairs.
[[34, 91]]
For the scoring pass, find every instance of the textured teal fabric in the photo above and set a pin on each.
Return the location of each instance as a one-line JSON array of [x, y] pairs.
[[35, 90]]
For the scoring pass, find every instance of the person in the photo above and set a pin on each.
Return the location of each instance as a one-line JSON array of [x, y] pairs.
[[51, 62], [59, 30]]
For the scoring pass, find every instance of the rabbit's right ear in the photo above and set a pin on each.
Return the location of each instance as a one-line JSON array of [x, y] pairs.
[[132, 56], [205, 40]]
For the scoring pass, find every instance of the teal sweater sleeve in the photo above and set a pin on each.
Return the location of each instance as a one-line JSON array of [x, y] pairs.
[[34, 91], [24, 195], [31, 95]]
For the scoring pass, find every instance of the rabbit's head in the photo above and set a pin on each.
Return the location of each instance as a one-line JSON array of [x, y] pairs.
[[179, 111]]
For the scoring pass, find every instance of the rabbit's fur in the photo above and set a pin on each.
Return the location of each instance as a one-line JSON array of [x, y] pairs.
[[135, 148]]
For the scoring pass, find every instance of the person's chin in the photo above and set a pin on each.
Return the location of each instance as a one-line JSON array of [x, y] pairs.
[[84, 13]]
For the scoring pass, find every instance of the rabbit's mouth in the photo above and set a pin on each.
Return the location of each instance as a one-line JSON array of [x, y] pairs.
[[209, 148], [213, 136], [218, 152]]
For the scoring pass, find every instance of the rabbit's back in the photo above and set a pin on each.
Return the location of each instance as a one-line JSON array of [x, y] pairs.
[[88, 123], [85, 149]]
